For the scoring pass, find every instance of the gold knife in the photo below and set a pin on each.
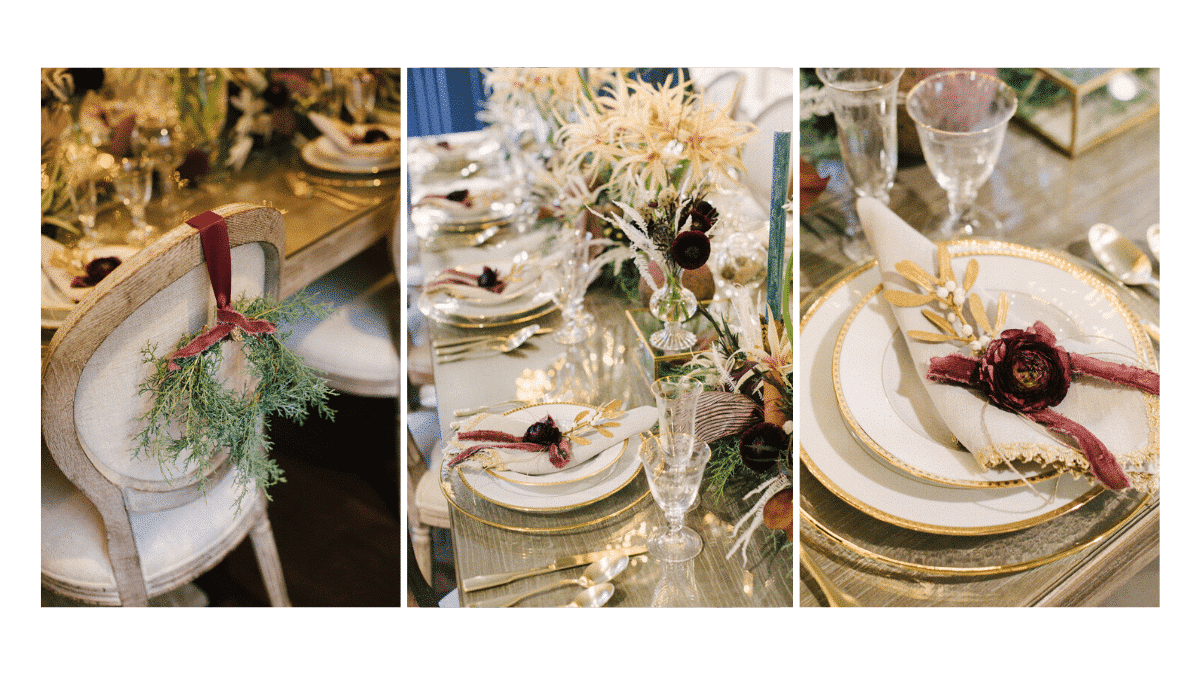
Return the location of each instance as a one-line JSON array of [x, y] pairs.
[[489, 580]]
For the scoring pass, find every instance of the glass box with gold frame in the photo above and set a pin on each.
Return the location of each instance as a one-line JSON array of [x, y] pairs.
[[651, 360], [1075, 109]]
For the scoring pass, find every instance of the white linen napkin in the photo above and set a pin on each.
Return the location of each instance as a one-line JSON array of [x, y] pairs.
[[342, 135], [628, 425], [1124, 419]]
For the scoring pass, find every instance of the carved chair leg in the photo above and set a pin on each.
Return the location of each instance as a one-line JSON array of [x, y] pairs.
[[263, 540], [422, 544]]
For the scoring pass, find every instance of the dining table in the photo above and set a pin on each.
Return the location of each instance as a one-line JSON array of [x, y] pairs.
[[321, 233], [1047, 201], [614, 363]]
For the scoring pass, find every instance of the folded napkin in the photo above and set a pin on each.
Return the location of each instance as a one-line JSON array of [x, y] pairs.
[[507, 443], [501, 288], [463, 203], [1124, 418], [350, 139]]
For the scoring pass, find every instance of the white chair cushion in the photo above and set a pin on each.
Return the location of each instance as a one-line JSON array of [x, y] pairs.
[[74, 543], [354, 346]]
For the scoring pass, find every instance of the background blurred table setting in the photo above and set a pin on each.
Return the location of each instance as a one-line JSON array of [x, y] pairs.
[[913, 492], [526, 247], [128, 153]]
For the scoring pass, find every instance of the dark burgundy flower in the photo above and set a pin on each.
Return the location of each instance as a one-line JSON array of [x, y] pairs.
[[194, 166], [762, 445], [543, 432], [690, 249], [703, 215], [458, 196], [86, 79], [489, 278], [375, 136], [95, 272], [1024, 370], [276, 94]]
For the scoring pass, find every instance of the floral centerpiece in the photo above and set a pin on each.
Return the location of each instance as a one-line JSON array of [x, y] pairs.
[[656, 151]]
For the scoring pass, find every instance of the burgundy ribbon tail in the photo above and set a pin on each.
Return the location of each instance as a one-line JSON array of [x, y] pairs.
[[1138, 378], [954, 369], [1104, 465], [214, 240]]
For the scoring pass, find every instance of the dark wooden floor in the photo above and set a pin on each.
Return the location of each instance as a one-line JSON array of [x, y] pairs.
[[336, 519]]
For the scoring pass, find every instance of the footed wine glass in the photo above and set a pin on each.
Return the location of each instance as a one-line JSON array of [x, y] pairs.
[[674, 465], [961, 117], [574, 271], [134, 180]]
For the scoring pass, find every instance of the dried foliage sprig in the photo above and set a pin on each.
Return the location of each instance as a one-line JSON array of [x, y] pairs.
[[194, 417], [952, 299]]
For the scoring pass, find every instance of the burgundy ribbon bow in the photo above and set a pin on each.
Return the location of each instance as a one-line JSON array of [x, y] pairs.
[[214, 239], [1026, 372]]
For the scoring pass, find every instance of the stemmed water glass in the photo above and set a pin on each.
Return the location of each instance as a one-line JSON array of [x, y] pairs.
[[574, 270], [676, 397], [674, 465], [81, 188], [864, 108], [360, 96], [961, 117], [133, 180]]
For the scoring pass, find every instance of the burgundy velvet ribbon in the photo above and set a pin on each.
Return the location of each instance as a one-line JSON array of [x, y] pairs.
[[959, 369], [560, 453], [214, 240]]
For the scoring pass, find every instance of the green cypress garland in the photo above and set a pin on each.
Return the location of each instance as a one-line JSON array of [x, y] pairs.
[[211, 418]]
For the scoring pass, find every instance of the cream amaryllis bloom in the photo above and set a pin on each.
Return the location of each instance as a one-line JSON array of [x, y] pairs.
[[775, 354]]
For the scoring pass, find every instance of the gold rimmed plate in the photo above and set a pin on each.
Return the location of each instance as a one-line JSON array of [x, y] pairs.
[[885, 405], [588, 482], [853, 473]]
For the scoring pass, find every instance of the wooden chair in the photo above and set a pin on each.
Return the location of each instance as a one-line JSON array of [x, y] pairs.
[[117, 530], [726, 90], [427, 507], [759, 151]]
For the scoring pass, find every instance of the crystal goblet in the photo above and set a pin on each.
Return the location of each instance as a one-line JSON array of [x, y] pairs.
[[864, 108], [961, 118], [134, 180], [676, 397], [360, 96], [674, 465], [574, 269]]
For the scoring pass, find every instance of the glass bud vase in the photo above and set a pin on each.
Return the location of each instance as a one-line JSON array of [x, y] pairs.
[[673, 304]]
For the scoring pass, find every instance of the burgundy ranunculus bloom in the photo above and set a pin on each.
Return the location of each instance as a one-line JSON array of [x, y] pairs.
[[95, 272], [762, 445], [1024, 370], [704, 215], [690, 249], [543, 432], [489, 278]]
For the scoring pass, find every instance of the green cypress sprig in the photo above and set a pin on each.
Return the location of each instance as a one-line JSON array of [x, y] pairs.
[[196, 417]]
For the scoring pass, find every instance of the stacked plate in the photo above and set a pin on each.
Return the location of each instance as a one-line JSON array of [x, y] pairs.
[[532, 296], [456, 155], [326, 154], [549, 502], [870, 435], [488, 204]]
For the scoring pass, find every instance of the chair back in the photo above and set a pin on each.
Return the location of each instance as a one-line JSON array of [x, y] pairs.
[[94, 368], [758, 153], [726, 91]]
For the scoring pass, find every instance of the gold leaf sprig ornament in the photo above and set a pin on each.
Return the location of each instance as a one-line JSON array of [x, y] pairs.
[[588, 419], [953, 303]]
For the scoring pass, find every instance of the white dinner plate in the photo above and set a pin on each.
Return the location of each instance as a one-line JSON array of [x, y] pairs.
[[876, 488], [323, 154], [553, 496], [885, 404], [492, 205]]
